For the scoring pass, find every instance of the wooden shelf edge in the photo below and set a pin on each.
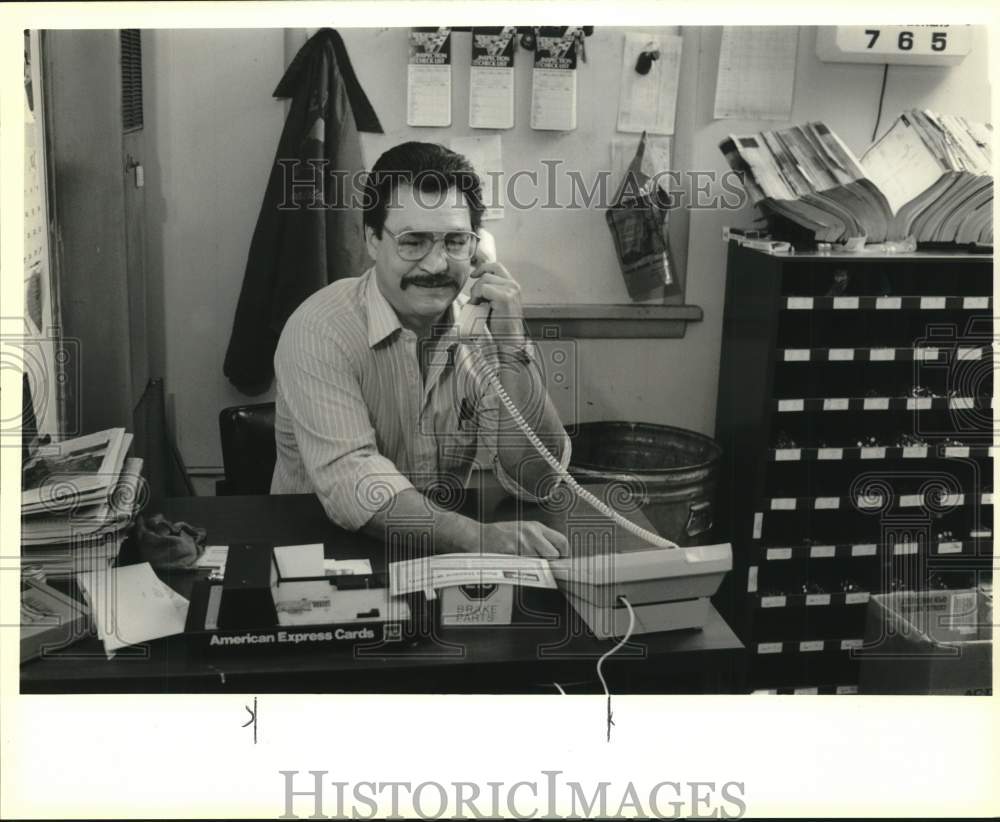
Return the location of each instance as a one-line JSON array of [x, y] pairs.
[[607, 321]]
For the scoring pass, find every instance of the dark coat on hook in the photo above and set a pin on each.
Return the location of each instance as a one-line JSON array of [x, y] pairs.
[[300, 243]]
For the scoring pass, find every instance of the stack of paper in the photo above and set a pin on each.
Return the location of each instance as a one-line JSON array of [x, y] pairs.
[[131, 605], [77, 500], [928, 178], [936, 171]]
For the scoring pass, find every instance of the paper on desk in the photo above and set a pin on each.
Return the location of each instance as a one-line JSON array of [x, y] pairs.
[[214, 557], [486, 156], [299, 560], [131, 605], [442, 570], [646, 102], [336, 567], [756, 78]]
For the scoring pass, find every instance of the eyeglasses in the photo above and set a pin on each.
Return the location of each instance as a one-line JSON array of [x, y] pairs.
[[415, 245]]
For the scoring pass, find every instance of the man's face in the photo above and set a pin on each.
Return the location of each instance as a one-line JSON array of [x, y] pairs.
[[420, 291]]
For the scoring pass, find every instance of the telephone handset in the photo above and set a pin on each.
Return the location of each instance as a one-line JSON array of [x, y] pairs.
[[472, 321]]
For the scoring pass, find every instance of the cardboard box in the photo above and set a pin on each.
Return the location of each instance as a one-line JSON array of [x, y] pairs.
[[927, 642], [477, 604]]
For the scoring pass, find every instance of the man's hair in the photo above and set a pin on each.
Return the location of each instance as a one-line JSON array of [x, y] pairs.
[[427, 167]]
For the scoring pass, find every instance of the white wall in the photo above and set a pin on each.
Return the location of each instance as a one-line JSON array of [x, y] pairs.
[[213, 128]]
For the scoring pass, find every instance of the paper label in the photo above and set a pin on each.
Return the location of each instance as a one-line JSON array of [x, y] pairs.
[[870, 501], [957, 451], [758, 524], [845, 302], [818, 599], [918, 403], [847, 689], [925, 353], [915, 452], [976, 302], [783, 504], [827, 503], [911, 500], [841, 354], [935, 303], [830, 453], [866, 549], [876, 404], [857, 598], [847, 644], [970, 353], [800, 303], [812, 690], [769, 648], [779, 553], [873, 453], [822, 551], [790, 405], [836, 404], [882, 354], [796, 354], [961, 403], [811, 645], [883, 303], [905, 548], [787, 455], [950, 548], [752, 579], [772, 602]]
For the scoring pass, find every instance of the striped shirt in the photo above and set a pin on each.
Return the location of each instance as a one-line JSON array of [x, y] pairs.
[[355, 425]]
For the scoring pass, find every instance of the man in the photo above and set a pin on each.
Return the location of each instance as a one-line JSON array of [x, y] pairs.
[[378, 402]]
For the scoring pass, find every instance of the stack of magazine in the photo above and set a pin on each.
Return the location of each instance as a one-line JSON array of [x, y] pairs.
[[928, 178], [78, 498]]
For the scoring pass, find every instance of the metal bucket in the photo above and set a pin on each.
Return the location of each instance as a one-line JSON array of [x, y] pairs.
[[671, 473]]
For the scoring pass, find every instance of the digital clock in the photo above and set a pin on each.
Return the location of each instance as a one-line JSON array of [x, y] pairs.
[[921, 45]]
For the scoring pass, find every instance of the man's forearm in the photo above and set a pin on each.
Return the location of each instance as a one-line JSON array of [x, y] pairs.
[[410, 512], [520, 458]]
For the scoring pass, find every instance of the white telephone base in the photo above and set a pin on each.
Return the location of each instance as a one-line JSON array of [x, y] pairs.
[[668, 589]]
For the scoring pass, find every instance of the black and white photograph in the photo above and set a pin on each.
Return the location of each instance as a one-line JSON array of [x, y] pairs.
[[648, 362]]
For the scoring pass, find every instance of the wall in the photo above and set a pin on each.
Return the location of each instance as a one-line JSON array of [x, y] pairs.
[[215, 128], [212, 128]]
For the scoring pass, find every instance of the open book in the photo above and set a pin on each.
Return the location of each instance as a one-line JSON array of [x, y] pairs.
[[929, 177]]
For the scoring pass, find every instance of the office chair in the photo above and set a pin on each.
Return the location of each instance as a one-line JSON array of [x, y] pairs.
[[248, 450]]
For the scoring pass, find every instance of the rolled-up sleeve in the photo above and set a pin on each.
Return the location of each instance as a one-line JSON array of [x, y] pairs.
[[332, 427]]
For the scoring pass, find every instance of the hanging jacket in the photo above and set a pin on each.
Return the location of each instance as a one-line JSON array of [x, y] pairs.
[[301, 243]]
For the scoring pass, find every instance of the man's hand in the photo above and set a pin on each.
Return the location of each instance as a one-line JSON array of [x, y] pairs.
[[531, 539], [494, 284]]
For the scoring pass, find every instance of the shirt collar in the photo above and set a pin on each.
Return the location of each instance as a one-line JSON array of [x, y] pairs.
[[382, 319]]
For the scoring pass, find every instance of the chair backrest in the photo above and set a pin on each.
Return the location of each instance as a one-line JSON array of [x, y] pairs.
[[248, 450]]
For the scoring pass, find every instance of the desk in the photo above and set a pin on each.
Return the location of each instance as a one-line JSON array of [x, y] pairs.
[[503, 659]]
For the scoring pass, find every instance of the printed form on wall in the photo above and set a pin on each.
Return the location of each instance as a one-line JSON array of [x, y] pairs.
[[428, 90], [756, 78], [491, 78], [553, 81], [646, 102], [485, 154]]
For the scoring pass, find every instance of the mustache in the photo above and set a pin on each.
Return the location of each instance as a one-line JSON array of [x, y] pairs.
[[430, 281]]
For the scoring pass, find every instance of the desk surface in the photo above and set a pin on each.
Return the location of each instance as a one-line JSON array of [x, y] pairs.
[[554, 647]]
